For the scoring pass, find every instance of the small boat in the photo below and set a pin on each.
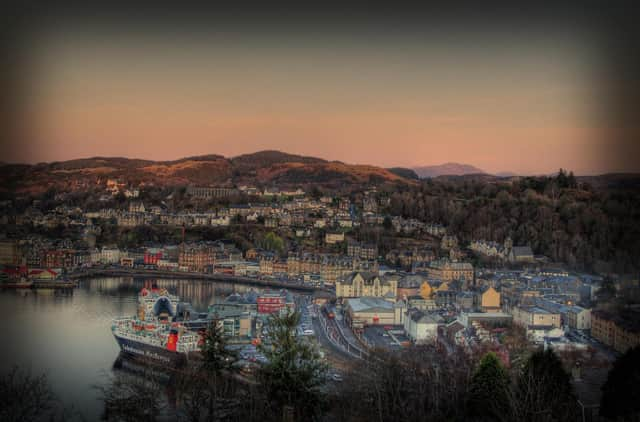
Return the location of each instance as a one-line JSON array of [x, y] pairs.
[[21, 284]]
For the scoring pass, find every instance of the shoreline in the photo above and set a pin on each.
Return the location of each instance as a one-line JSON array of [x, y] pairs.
[[121, 272]]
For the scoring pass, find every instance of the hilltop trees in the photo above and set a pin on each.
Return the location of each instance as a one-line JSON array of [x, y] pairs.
[[620, 393], [589, 228]]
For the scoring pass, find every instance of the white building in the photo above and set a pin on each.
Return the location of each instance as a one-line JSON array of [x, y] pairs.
[[106, 256], [331, 238], [221, 221], [420, 326]]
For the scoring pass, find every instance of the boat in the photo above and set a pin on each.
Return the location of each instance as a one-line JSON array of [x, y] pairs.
[[53, 284], [154, 335], [17, 284]]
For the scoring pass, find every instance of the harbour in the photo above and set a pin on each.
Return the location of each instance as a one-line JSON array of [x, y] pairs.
[[66, 333]]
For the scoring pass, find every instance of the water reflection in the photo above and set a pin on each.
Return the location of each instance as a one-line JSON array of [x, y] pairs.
[[200, 293]]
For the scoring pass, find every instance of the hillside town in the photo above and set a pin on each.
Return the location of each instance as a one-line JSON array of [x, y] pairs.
[[419, 283]]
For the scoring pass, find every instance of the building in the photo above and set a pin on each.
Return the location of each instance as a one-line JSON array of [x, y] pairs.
[[367, 251], [266, 264], [197, 257], [359, 284], [488, 248], [541, 333], [58, 258], [234, 319], [446, 270], [332, 238], [455, 333], [409, 285], [223, 220], [465, 301], [619, 331], [9, 254], [521, 254], [363, 311], [575, 317], [210, 192], [275, 302], [152, 256], [410, 258], [136, 207], [489, 300], [422, 303], [578, 318], [106, 256], [421, 327], [494, 318], [535, 315]]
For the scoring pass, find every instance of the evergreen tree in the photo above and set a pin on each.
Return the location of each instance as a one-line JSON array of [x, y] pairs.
[[216, 361], [489, 397], [544, 390], [620, 393], [216, 358], [294, 373]]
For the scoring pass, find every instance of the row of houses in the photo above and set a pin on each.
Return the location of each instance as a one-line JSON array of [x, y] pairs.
[[621, 331], [505, 251], [330, 268]]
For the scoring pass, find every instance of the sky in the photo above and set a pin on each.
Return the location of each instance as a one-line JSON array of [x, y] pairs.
[[500, 99]]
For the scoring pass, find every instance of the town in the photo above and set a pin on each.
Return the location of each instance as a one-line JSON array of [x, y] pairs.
[[376, 280]]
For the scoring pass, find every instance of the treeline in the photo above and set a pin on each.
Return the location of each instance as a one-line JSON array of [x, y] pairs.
[[425, 384], [559, 217]]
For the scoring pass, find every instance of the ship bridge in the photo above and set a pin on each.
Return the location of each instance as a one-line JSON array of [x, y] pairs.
[[164, 307]]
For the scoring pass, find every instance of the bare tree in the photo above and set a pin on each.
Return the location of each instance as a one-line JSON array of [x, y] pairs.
[[133, 397], [27, 397], [419, 383]]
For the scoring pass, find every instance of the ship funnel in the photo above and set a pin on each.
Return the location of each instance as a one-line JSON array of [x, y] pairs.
[[172, 341]]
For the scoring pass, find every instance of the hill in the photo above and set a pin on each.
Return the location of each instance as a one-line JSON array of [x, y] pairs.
[[404, 172], [447, 169], [258, 169]]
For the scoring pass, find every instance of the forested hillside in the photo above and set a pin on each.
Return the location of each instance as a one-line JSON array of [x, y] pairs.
[[561, 217]]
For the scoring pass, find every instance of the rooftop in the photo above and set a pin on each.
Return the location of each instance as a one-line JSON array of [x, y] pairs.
[[366, 303]]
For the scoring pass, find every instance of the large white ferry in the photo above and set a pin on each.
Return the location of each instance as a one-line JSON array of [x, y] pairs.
[[153, 334]]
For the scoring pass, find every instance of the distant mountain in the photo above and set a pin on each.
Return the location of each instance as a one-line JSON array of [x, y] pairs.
[[264, 168], [447, 169], [404, 172]]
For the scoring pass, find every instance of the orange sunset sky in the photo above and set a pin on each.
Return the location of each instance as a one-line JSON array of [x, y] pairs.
[[520, 104]]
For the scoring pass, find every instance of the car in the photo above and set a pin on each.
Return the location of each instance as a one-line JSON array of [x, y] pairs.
[[336, 377], [308, 332]]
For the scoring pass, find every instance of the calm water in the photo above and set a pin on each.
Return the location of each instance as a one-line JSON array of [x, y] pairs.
[[67, 335]]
